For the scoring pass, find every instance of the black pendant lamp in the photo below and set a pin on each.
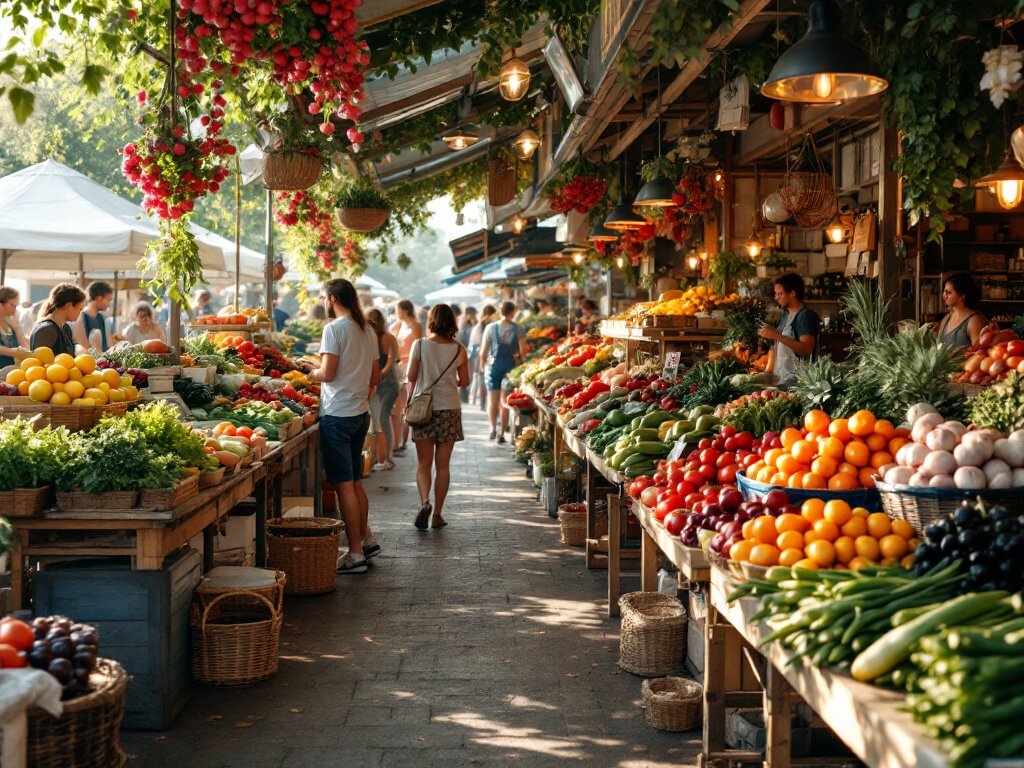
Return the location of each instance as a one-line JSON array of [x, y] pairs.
[[599, 233], [622, 217], [824, 67], [657, 193]]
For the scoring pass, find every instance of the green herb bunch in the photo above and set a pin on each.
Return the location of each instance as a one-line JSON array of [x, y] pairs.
[[158, 426], [31, 459]]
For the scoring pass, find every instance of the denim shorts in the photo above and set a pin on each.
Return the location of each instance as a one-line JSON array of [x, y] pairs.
[[341, 443]]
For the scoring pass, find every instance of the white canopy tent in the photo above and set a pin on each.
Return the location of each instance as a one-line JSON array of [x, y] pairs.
[[455, 293]]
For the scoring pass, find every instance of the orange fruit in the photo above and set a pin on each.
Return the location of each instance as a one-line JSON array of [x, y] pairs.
[[832, 448], [902, 432], [824, 466], [765, 530], [867, 547], [861, 512], [812, 510], [788, 522], [790, 540], [893, 546], [44, 355], [789, 437], [806, 563], [885, 428], [85, 363], [35, 373], [111, 377], [816, 421], [826, 529], [896, 443], [748, 529], [854, 527], [837, 511], [764, 554], [813, 481], [810, 536], [60, 398], [40, 390], [754, 468], [780, 479], [788, 465], [790, 557], [740, 551], [857, 453], [30, 362], [772, 456], [15, 377], [846, 550], [804, 451], [765, 474], [847, 468], [880, 459], [867, 477], [913, 544], [840, 429], [56, 373], [907, 562], [822, 552], [903, 528], [74, 389], [859, 562], [862, 423], [842, 481], [876, 442], [23, 388], [889, 562], [65, 360], [795, 480]]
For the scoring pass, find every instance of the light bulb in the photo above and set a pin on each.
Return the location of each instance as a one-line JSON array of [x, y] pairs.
[[1009, 192], [835, 233], [514, 83], [620, 262], [704, 254], [518, 224], [754, 248], [693, 261], [718, 177], [824, 85], [459, 143], [577, 258]]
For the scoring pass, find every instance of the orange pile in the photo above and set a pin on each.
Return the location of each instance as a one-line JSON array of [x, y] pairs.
[[831, 454], [826, 534]]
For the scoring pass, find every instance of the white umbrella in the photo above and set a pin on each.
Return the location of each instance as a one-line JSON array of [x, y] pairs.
[[457, 292]]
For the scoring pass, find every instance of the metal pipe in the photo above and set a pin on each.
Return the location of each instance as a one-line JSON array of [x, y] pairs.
[[269, 269], [238, 233], [113, 318]]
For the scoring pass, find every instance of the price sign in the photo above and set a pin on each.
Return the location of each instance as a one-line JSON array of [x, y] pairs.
[[671, 365], [677, 449]]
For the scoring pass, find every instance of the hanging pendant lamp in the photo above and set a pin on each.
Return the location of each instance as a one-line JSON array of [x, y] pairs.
[[835, 231], [824, 67], [1006, 182], [526, 144], [460, 140], [599, 233], [514, 78], [518, 223], [622, 217], [657, 193]]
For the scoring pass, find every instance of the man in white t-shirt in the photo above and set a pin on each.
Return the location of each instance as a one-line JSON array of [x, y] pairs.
[[349, 372]]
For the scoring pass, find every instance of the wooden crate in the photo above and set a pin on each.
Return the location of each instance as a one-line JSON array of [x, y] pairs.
[[669, 321], [142, 620]]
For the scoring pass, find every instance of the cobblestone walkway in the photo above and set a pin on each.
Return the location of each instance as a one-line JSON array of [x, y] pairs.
[[482, 644]]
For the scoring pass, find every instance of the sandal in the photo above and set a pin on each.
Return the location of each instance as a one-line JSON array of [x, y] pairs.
[[424, 513], [438, 522]]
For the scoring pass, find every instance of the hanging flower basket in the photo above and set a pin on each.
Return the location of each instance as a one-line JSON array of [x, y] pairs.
[[695, 192], [292, 169], [363, 220]]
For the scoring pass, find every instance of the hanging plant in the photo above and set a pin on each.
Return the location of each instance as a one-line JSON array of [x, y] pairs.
[[293, 159], [311, 236], [726, 269], [667, 167], [696, 191], [674, 224], [579, 194]]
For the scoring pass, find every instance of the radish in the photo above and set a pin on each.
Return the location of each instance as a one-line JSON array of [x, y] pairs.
[[1002, 480], [939, 463], [942, 481], [970, 478], [899, 476], [995, 467], [916, 454], [940, 439]]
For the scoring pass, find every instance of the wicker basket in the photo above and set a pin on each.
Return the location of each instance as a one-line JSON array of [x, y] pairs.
[[808, 196], [573, 520], [653, 636], [673, 703], [923, 506], [88, 732], [234, 578], [362, 219], [306, 549], [235, 639], [24, 502], [160, 499], [501, 181], [291, 169], [70, 500]]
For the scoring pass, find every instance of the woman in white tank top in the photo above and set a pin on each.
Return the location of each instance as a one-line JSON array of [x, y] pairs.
[[440, 365]]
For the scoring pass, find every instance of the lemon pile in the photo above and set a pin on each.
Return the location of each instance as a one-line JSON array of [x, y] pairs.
[[67, 380]]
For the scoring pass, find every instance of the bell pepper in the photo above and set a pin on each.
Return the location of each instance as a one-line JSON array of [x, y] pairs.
[[590, 425]]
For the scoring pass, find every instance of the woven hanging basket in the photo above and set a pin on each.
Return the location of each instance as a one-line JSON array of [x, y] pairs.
[[501, 181], [291, 169], [363, 220], [808, 195]]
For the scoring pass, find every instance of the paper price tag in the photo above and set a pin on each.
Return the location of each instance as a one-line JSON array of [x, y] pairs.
[[671, 365], [677, 449]]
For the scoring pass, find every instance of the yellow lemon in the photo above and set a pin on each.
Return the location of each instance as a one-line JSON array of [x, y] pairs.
[[126, 380], [23, 388], [85, 363], [131, 393], [104, 386], [56, 373], [40, 390], [75, 375], [111, 377], [30, 362], [96, 395], [115, 396], [35, 373], [91, 380], [74, 389], [60, 398], [44, 355], [83, 401], [15, 377], [57, 386], [65, 360]]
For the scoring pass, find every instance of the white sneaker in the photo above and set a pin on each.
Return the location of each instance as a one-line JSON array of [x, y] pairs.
[[348, 563]]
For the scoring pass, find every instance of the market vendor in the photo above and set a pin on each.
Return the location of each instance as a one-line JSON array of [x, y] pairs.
[[961, 327], [796, 335], [53, 330], [142, 327], [11, 338]]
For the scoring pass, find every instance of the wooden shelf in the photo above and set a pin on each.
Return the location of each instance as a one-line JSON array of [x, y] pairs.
[[689, 561]]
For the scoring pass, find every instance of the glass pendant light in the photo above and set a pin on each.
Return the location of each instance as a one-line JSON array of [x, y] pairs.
[[620, 262], [1006, 182], [622, 217], [754, 243], [578, 258], [824, 67], [514, 78], [835, 231], [460, 140], [526, 144]]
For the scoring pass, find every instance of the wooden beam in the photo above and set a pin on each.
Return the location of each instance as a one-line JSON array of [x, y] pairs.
[[381, 10], [691, 70]]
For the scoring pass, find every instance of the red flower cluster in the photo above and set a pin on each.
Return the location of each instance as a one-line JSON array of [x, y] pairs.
[[171, 167], [580, 194], [675, 225], [350, 254], [303, 208], [695, 192]]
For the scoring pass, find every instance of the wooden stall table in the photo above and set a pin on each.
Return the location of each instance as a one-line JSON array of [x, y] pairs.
[[869, 720], [690, 562]]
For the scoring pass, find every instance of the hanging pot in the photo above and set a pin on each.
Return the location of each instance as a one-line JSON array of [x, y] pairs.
[[774, 210], [291, 169]]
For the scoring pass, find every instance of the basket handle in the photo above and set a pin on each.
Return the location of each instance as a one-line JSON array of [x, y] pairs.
[[247, 592]]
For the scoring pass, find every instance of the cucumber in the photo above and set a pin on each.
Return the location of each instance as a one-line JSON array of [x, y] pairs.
[[643, 468], [634, 459], [652, 448], [655, 418], [643, 434]]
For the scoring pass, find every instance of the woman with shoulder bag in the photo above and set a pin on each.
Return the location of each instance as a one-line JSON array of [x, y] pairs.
[[438, 366]]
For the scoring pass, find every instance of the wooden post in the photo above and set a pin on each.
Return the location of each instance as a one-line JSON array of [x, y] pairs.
[[614, 545], [648, 563], [888, 218]]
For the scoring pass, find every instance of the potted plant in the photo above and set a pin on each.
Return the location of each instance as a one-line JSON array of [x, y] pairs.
[[360, 206], [726, 269], [291, 155]]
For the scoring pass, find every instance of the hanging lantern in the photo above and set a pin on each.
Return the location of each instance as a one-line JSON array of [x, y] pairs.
[[518, 223], [754, 243], [599, 233], [526, 144], [824, 67], [514, 78], [835, 231], [460, 140], [1006, 182], [656, 193], [620, 262], [578, 258], [622, 217]]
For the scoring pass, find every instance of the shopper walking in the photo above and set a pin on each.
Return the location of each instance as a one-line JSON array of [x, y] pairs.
[[91, 329], [349, 372], [469, 321], [406, 330], [53, 330], [439, 365], [383, 401], [12, 340], [478, 388], [504, 346]]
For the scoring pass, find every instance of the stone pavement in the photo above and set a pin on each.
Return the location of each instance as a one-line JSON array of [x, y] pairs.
[[482, 644]]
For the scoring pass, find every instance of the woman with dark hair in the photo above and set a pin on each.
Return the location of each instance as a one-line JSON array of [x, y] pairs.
[[11, 339], [504, 347], [53, 330], [383, 401], [348, 372], [142, 326], [439, 365], [961, 327], [406, 330]]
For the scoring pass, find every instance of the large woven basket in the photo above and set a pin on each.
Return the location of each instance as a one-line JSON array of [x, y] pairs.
[[808, 195], [306, 549], [652, 640], [291, 169], [501, 181], [573, 521], [71, 500], [923, 506], [235, 639], [673, 703], [88, 732], [25, 502], [160, 499], [362, 219]]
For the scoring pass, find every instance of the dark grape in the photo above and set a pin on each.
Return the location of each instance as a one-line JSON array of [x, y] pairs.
[[62, 669]]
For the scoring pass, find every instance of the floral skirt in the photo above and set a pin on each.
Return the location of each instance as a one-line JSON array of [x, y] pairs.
[[443, 427]]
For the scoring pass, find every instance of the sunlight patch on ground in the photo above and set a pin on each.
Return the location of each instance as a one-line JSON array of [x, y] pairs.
[[496, 734]]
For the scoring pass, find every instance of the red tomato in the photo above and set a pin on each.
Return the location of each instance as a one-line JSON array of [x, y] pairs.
[[692, 499], [725, 460], [728, 474], [1015, 348], [649, 496], [243, 432], [10, 658], [749, 459], [998, 352], [1013, 361], [744, 440], [674, 523], [659, 478], [709, 456], [708, 471], [675, 477], [710, 492], [684, 488], [704, 444], [638, 486], [668, 503], [727, 430], [694, 478], [17, 634]]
